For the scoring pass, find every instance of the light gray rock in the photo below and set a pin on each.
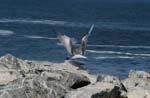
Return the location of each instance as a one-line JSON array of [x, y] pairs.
[[39, 79], [108, 78], [137, 79], [68, 79], [139, 92], [132, 83], [111, 79], [12, 68], [12, 63], [139, 74], [7, 76], [138, 84], [43, 79], [29, 88]]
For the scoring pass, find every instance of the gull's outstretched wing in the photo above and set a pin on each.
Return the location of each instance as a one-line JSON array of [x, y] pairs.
[[67, 42], [84, 41], [91, 28], [83, 44]]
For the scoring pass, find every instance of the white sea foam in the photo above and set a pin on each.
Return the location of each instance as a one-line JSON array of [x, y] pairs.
[[6, 32], [114, 57], [119, 53], [40, 37], [31, 21], [107, 25], [48, 22], [119, 46]]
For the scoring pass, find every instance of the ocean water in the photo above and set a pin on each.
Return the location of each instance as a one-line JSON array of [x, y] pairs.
[[119, 42]]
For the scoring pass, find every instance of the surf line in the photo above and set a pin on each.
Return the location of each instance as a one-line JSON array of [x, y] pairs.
[[39, 37], [119, 46]]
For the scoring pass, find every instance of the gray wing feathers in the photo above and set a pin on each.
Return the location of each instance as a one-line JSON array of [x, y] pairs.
[[91, 28], [84, 40], [67, 42], [84, 44]]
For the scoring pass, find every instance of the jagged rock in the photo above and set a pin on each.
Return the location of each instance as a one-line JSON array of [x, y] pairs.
[[111, 79], [10, 62], [10, 68], [138, 84], [43, 86], [132, 83], [41, 80], [137, 88], [139, 74], [29, 88], [137, 79], [41, 66], [68, 79], [97, 90]]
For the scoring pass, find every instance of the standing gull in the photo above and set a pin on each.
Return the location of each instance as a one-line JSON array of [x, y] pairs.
[[68, 44]]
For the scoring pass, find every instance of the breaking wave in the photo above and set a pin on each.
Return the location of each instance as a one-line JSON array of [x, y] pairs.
[[119, 53], [48, 22], [119, 46], [107, 25], [40, 37], [114, 57], [6, 32]]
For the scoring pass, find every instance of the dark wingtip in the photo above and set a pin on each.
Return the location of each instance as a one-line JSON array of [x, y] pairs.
[[67, 58], [59, 35]]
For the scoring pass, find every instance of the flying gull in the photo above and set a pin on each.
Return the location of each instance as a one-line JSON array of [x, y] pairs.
[[68, 43]]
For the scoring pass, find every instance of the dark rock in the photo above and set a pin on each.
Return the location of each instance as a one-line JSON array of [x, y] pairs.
[[79, 84], [97, 90]]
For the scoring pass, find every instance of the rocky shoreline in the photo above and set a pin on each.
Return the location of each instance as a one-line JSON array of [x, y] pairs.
[[41, 79]]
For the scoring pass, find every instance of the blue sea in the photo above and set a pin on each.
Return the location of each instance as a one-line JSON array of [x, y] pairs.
[[119, 42]]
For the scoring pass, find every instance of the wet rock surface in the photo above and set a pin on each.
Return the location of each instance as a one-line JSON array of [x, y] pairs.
[[41, 79]]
